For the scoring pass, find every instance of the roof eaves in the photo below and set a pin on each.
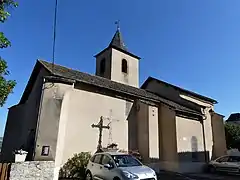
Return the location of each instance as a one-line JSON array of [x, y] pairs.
[[119, 49], [28, 88]]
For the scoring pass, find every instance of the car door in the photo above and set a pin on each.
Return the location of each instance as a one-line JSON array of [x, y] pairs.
[[96, 166], [90, 165], [105, 173], [233, 164]]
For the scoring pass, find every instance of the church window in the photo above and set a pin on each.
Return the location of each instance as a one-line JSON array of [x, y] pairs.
[[124, 66], [102, 66]]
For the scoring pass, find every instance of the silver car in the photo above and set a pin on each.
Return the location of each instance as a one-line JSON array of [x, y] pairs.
[[230, 164], [117, 166]]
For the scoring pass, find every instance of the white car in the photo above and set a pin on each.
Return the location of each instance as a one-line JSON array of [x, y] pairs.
[[230, 164], [117, 166]]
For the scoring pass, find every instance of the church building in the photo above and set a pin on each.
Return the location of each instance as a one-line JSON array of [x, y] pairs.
[[64, 111]]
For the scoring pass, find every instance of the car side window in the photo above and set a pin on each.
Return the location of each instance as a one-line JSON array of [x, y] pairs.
[[97, 158], [223, 159], [234, 159], [106, 160], [92, 158]]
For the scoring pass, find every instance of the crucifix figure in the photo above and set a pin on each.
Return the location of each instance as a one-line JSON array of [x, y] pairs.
[[110, 119], [100, 126]]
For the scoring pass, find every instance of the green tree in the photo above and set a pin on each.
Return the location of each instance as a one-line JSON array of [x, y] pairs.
[[76, 166], [232, 132], [6, 86]]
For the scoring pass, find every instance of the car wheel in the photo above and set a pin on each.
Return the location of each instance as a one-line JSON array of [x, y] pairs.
[[88, 176], [116, 178], [212, 169]]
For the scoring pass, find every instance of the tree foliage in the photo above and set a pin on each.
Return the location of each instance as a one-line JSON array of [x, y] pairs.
[[6, 86], [76, 166], [232, 132]]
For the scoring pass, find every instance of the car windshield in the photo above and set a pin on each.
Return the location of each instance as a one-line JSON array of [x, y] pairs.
[[125, 161]]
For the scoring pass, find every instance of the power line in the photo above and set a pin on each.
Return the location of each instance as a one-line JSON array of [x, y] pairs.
[[54, 35]]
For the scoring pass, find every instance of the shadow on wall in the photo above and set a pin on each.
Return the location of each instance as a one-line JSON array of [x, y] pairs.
[[190, 156], [187, 156], [194, 155], [154, 160]]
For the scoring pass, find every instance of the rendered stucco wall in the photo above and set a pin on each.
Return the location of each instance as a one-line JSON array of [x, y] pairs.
[[107, 55], [153, 133], [144, 131], [81, 109], [189, 138], [219, 138], [48, 124], [113, 67], [167, 129], [132, 77], [207, 122]]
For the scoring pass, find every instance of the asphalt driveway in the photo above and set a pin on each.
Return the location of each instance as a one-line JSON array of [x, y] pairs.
[[176, 176]]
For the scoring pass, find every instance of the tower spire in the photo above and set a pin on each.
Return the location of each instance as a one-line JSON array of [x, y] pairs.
[[117, 40]]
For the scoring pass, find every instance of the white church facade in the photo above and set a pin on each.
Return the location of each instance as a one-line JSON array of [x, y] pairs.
[[171, 127]]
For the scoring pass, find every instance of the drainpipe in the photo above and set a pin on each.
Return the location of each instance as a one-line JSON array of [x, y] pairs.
[[38, 119], [204, 137]]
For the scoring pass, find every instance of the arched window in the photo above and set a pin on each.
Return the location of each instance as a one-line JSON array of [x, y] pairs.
[[102, 66], [124, 66]]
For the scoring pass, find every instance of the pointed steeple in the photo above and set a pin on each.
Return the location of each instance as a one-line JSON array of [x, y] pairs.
[[117, 41]]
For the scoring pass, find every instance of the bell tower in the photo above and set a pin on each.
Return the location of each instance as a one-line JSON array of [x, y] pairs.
[[117, 64]]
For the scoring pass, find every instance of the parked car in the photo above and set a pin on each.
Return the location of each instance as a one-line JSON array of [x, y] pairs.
[[229, 164], [117, 166]]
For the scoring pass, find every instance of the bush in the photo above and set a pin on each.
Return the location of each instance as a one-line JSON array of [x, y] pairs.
[[75, 167], [232, 132]]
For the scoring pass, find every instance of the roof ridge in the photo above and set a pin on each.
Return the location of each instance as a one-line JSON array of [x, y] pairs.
[[44, 61], [179, 88], [91, 79]]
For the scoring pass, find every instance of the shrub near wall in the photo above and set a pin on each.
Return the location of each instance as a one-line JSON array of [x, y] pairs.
[[75, 167]]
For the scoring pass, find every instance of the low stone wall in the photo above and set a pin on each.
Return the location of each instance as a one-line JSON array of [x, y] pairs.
[[32, 170]]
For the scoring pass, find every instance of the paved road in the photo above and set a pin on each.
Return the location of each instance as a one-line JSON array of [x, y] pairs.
[[172, 176]]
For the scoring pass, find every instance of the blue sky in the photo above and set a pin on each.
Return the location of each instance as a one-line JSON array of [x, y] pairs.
[[191, 43]]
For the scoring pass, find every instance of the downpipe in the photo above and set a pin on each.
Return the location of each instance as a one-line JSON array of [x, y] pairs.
[[38, 119]]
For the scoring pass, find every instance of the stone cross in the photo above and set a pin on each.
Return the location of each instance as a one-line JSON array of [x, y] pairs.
[[100, 127]]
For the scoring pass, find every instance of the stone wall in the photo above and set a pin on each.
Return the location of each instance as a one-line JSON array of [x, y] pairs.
[[32, 170]]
